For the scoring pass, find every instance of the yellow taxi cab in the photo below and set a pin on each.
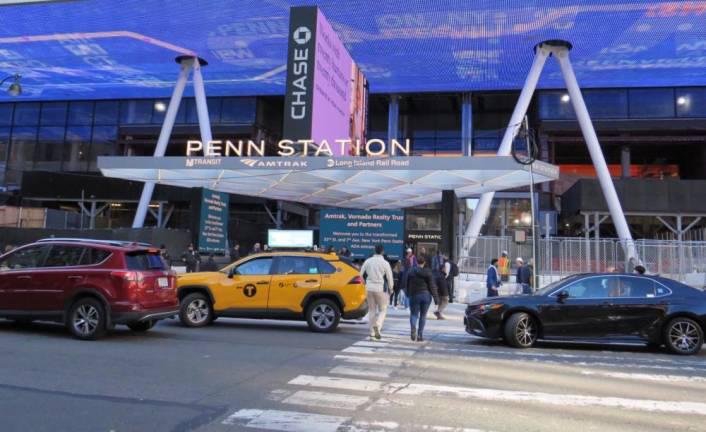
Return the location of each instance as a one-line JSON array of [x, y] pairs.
[[316, 287]]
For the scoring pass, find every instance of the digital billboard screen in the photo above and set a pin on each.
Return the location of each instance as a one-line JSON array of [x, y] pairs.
[[213, 221], [326, 95], [290, 238]]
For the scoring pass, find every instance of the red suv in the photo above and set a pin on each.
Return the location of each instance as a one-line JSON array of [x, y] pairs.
[[89, 285]]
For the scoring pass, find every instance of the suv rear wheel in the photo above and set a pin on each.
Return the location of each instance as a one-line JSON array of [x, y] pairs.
[[141, 326], [86, 319], [683, 336], [323, 315], [195, 310]]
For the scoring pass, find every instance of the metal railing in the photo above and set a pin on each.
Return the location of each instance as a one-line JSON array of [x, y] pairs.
[[564, 256]]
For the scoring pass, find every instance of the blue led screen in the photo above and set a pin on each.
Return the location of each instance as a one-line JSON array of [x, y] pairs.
[[99, 49]]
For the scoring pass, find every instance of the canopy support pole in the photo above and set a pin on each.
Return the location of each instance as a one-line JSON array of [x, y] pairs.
[[560, 49], [187, 63]]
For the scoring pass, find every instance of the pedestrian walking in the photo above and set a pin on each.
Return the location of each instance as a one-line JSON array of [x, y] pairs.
[[397, 285], [524, 276], [376, 272], [492, 281], [191, 259], [421, 289], [504, 267], [451, 273], [442, 288]]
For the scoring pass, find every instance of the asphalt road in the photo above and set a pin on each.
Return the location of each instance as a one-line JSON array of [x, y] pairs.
[[277, 376]]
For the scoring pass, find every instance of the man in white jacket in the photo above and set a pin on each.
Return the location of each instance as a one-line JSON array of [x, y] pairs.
[[377, 273]]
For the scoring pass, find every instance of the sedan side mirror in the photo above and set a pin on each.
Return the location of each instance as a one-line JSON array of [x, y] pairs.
[[562, 296]]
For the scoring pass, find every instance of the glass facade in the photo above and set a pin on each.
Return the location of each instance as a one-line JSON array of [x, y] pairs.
[[634, 103], [432, 123], [69, 136]]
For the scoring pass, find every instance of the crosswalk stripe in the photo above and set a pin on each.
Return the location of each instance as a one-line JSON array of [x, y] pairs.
[[370, 350], [390, 345], [374, 372], [290, 421], [496, 395], [646, 377], [337, 383], [396, 362], [326, 400]]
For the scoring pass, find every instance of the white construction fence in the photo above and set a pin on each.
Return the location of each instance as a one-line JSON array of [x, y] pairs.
[[558, 257]]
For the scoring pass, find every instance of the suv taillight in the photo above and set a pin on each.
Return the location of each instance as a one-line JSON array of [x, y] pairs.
[[129, 276], [357, 280]]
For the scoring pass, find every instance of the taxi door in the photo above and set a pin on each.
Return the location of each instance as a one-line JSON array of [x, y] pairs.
[[247, 288], [293, 278]]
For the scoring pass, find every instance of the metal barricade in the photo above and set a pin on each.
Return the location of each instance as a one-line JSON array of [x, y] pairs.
[[565, 256]]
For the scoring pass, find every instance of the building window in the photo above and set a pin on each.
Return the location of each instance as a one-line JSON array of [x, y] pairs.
[[53, 114], [606, 103], [423, 222], [433, 123], [6, 114], [239, 110], [214, 110], [103, 144], [81, 113], [49, 148], [555, 105], [22, 146], [136, 112], [106, 112], [26, 114], [75, 154], [691, 102], [651, 103]]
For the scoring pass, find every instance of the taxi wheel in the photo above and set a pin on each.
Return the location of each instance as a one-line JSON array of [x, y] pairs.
[[323, 316], [195, 310]]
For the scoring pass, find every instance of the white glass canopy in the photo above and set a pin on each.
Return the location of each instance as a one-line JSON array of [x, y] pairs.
[[362, 183]]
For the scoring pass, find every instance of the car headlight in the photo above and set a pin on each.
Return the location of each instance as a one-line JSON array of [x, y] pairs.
[[490, 306]]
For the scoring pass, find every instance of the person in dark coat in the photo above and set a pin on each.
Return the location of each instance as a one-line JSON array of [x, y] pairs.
[[191, 259], [524, 276], [421, 289], [210, 265], [492, 281]]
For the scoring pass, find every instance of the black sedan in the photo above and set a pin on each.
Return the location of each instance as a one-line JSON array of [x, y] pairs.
[[594, 307]]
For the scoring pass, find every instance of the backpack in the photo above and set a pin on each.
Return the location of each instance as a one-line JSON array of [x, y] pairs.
[[454, 269]]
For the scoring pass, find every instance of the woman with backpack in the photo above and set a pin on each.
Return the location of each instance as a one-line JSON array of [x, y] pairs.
[[421, 289]]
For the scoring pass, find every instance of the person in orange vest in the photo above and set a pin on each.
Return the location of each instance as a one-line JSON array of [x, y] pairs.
[[504, 267]]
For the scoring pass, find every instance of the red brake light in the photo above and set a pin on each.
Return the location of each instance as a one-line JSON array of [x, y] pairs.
[[129, 276], [356, 281]]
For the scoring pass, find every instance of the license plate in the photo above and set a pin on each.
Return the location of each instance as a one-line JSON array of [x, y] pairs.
[[163, 282]]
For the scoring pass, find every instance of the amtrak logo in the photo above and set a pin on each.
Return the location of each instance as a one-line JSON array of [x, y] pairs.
[[254, 163], [301, 35]]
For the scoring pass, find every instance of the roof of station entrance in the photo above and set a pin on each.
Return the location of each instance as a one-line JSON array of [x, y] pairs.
[[365, 183], [98, 49]]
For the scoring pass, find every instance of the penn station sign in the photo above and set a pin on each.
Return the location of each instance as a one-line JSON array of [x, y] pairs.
[[299, 148]]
